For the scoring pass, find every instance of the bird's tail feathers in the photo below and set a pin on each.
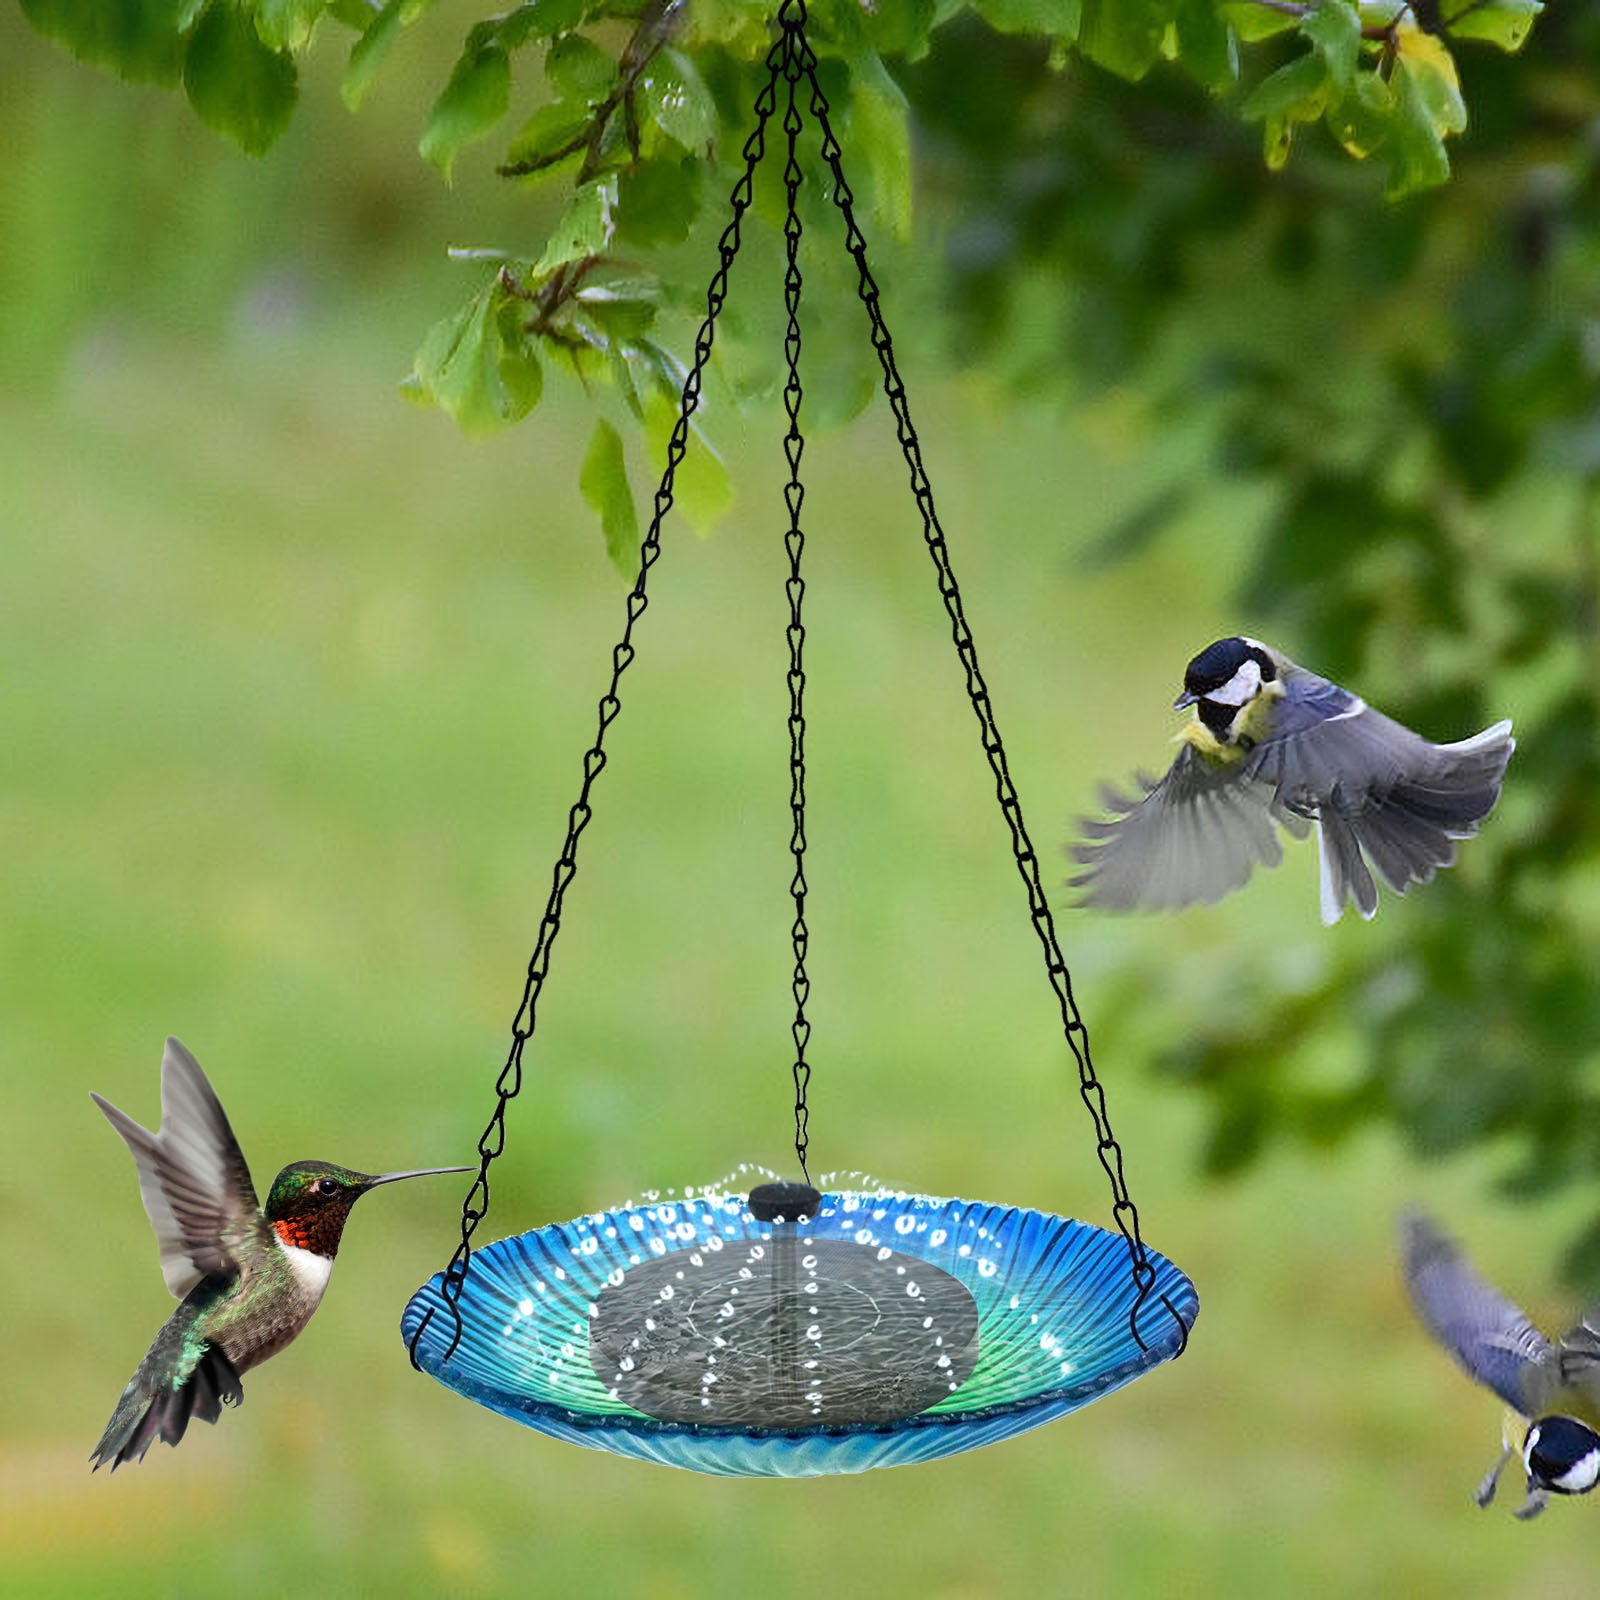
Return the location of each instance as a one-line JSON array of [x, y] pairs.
[[1403, 846], [1462, 784], [1407, 831], [1496, 739], [150, 1409], [1344, 874]]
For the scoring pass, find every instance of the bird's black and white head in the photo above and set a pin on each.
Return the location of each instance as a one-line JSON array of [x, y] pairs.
[[1224, 679], [1562, 1455]]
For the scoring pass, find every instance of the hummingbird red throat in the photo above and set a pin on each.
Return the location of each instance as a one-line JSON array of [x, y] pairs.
[[249, 1277]]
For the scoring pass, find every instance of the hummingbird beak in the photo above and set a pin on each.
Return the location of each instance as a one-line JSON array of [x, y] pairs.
[[1184, 699], [420, 1172]]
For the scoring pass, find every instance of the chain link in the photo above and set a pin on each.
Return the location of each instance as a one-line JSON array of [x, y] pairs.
[[797, 60], [1090, 1088], [509, 1083]]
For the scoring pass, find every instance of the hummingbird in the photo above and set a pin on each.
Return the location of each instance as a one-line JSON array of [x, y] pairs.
[[249, 1277]]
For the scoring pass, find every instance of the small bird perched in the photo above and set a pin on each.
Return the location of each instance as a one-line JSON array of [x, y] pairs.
[[249, 1279], [1552, 1389], [1273, 745]]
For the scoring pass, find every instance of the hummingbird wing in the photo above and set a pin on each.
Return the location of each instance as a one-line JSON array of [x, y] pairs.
[[1194, 835], [1490, 1337], [192, 1176], [1384, 797]]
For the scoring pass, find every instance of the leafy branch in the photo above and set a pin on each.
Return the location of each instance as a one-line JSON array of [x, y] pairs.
[[660, 19], [626, 114]]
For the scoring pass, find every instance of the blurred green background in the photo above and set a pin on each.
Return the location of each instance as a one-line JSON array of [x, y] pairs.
[[297, 681]]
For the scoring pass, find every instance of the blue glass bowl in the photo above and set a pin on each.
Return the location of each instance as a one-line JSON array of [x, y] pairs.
[[888, 1328]]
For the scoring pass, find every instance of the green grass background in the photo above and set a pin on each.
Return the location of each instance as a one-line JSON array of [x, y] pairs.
[[295, 685]]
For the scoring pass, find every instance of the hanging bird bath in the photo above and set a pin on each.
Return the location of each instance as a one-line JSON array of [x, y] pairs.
[[884, 1329], [790, 1331]]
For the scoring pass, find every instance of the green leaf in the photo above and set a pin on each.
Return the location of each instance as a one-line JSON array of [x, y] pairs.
[[1428, 62], [645, 372], [1334, 30], [1206, 46], [538, 19], [1125, 36], [368, 53], [474, 100], [1277, 135], [603, 479], [1506, 23], [1057, 19], [622, 309], [658, 202], [579, 69], [287, 24], [236, 85], [477, 364], [891, 27], [585, 229], [674, 96], [1360, 120], [138, 39], [1415, 150], [521, 377], [1253, 22], [881, 127], [553, 134], [1297, 92]]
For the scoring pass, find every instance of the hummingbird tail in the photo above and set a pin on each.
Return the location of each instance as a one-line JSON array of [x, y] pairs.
[[151, 1409]]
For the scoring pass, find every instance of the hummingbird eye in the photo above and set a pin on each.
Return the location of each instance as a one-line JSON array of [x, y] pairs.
[[327, 1186]]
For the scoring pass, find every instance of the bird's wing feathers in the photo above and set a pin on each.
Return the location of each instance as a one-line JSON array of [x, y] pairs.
[[1489, 1336], [1578, 1360], [192, 1175], [1326, 742], [1192, 836], [1383, 795]]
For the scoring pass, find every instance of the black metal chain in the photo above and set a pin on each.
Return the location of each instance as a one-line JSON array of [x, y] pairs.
[[509, 1083], [792, 18], [792, 58], [797, 60]]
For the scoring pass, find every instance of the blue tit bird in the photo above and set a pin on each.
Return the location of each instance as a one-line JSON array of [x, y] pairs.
[[1553, 1390], [1274, 746]]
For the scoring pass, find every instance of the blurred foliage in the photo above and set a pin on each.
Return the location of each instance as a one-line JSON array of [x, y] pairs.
[[1415, 391], [639, 102], [1407, 371]]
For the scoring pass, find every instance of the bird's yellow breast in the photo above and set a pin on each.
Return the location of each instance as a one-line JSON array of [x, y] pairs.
[[1249, 728], [1254, 722], [1207, 744]]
